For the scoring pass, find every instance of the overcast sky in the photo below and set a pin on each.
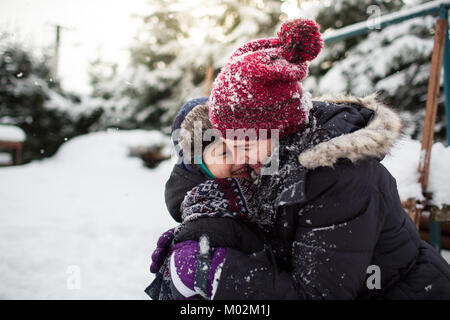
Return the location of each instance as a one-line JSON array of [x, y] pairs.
[[94, 27]]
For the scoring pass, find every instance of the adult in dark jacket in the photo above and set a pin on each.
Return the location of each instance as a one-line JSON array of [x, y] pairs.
[[332, 211], [338, 214]]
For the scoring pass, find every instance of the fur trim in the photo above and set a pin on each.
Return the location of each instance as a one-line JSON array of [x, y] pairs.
[[373, 141], [189, 137], [198, 113]]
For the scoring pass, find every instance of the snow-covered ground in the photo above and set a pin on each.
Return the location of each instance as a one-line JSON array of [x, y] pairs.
[[83, 224], [90, 211]]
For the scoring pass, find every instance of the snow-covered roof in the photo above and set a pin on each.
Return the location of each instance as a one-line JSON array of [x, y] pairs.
[[11, 133]]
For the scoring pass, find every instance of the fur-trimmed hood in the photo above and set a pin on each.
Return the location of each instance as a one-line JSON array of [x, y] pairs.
[[372, 141]]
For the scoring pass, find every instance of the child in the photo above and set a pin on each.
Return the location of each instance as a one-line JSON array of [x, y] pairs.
[[223, 191]]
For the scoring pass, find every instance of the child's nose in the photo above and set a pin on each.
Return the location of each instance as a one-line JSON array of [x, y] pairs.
[[241, 156]]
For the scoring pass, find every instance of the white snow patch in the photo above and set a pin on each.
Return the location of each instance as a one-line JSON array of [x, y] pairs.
[[90, 206], [5, 158], [203, 245], [403, 163], [11, 133]]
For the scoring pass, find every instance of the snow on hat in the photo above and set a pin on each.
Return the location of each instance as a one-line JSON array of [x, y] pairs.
[[259, 88]]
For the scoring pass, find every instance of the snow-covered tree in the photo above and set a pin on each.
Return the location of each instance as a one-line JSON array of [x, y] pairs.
[[176, 44], [339, 13], [178, 40], [32, 99], [394, 61]]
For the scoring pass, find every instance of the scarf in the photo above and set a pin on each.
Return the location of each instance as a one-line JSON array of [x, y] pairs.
[[225, 197], [269, 188]]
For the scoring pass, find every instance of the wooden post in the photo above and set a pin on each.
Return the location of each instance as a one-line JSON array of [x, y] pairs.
[[414, 210], [208, 79], [18, 159], [432, 97], [430, 120], [15, 150]]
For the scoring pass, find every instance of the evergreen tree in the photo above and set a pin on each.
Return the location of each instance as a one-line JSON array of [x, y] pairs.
[[339, 13], [33, 100], [177, 42], [394, 61]]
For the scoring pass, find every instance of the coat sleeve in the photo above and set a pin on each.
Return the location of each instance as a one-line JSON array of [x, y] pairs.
[[254, 277], [332, 248], [224, 232]]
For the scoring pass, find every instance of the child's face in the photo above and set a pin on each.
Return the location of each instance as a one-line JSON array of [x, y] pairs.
[[253, 153], [219, 160]]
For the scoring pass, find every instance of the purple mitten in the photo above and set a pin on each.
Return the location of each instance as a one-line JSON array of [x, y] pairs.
[[194, 267], [162, 250]]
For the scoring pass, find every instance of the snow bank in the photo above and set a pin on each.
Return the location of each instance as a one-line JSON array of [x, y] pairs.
[[108, 148], [11, 133], [403, 163]]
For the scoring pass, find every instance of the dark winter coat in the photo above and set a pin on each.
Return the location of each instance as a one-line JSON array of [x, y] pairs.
[[337, 219]]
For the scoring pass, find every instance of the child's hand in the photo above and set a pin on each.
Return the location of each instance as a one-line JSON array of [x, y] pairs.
[[162, 250], [194, 267]]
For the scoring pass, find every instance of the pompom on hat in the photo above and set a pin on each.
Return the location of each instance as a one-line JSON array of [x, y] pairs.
[[259, 87]]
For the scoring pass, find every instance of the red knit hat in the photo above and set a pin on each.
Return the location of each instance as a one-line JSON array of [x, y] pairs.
[[259, 88]]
